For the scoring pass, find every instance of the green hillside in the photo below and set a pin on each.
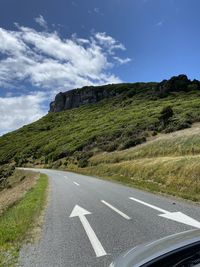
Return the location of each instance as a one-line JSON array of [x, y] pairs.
[[73, 137]]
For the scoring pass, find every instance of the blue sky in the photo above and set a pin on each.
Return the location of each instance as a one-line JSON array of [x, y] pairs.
[[48, 46]]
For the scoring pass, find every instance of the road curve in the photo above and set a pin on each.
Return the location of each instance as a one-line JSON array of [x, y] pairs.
[[104, 223]]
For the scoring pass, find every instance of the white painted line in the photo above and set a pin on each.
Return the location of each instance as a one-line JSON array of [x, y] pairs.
[[175, 216], [76, 183], [116, 210], [148, 205], [81, 213]]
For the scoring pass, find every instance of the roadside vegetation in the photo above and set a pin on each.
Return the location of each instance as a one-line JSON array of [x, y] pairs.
[[168, 164], [18, 219], [17, 185], [181, 143]]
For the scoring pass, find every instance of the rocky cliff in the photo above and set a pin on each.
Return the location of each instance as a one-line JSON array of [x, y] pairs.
[[78, 97], [93, 94]]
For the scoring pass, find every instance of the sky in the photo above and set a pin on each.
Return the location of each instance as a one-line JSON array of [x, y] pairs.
[[51, 46]]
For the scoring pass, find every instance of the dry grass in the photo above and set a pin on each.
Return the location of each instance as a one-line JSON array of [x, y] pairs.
[[167, 164], [9, 196], [178, 176], [180, 143]]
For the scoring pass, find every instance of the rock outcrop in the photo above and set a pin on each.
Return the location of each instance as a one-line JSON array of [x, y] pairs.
[[175, 83], [78, 97], [93, 94]]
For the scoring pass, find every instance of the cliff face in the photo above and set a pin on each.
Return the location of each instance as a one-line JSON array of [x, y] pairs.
[[78, 97], [93, 94]]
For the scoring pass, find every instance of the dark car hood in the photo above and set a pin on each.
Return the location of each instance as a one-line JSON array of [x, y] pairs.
[[142, 254]]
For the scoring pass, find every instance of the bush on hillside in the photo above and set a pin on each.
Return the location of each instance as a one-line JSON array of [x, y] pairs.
[[111, 146], [165, 115], [82, 158], [132, 142], [177, 124], [5, 172], [82, 163]]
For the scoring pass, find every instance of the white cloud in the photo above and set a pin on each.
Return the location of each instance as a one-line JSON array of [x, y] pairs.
[[51, 64], [47, 60], [122, 60], [10, 43], [108, 42], [41, 21], [20, 110]]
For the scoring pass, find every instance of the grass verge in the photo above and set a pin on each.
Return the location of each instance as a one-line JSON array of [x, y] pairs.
[[180, 143], [17, 220], [178, 177], [167, 164]]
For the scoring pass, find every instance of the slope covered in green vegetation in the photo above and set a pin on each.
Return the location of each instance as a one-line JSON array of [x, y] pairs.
[[137, 112]]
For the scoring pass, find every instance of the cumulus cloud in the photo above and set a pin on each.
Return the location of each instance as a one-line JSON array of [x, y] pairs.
[[51, 63], [47, 60], [20, 110]]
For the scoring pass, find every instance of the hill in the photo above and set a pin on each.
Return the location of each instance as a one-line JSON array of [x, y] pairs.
[[124, 116]]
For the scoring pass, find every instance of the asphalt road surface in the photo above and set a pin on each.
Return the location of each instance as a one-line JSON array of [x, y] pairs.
[[89, 221]]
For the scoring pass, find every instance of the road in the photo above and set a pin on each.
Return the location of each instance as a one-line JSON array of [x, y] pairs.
[[90, 221]]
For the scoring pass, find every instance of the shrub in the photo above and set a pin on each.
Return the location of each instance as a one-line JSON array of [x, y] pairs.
[[132, 142], [177, 125], [5, 172], [165, 115], [82, 163], [111, 146]]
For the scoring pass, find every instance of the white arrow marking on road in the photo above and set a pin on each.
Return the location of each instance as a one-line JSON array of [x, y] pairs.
[[80, 212], [116, 210], [76, 183], [175, 216]]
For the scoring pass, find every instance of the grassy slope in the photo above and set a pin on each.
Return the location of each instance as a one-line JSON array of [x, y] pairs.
[[17, 220], [181, 143], [168, 164]]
